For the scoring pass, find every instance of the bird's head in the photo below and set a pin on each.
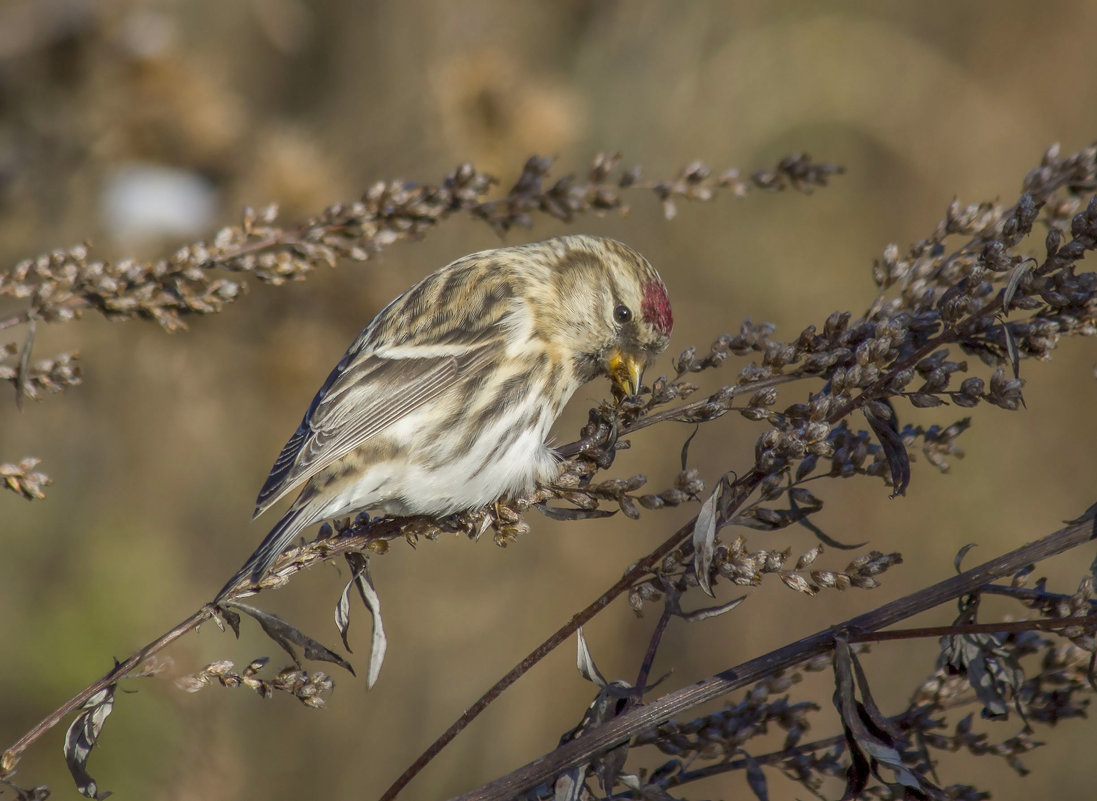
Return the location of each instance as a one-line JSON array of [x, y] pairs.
[[612, 313], [641, 334]]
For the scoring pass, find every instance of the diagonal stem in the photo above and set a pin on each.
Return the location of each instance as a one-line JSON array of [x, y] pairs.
[[11, 755], [743, 489], [620, 729]]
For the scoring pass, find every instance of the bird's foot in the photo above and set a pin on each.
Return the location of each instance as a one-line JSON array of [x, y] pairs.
[[507, 522]]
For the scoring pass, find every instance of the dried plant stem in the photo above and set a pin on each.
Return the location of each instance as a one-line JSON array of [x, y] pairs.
[[777, 758], [901, 721], [653, 648], [772, 758], [618, 730], [1003, 627], [12, 754], [743, 488], [1027, 594], [988, 298], [62, 285], [288, 565]]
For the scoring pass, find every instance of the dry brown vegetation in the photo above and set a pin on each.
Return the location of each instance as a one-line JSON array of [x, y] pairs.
[[724, 475]]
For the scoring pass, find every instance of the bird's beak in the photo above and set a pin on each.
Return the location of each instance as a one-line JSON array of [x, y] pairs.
[[626, 371]]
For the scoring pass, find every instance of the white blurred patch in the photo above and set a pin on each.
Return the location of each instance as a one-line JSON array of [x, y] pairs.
[[146, 201], [149, 34]]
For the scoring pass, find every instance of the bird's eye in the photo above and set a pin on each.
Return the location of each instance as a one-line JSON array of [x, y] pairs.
[[622, 314]]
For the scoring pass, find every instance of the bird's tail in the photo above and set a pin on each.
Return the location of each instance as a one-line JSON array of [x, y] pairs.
[[269, 549]]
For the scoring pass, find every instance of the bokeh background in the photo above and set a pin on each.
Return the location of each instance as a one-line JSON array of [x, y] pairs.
[[157, 457]]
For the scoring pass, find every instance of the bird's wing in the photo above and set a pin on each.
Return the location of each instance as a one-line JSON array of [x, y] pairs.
[[365, 393]]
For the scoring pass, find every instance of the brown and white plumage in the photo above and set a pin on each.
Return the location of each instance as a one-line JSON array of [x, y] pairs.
[[445, 400]]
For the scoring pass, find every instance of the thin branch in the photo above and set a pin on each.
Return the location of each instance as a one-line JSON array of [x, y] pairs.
[[743, 489], [356, 538], [944, 299], [1029, 595], [682, 412], [618, 730], [903, 720], [11, 756], [653, 646], [61, 285], [1001, 627]]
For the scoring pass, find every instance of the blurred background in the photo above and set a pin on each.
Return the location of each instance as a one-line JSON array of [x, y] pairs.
[[138, 126]]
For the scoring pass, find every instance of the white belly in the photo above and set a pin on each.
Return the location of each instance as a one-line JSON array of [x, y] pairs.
[[500, 462]]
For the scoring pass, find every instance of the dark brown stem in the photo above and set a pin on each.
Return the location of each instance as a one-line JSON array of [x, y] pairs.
[[743, 489], [1087, 621], [536, 655], [288, 564], [11, 756], [618, 730], [778, 757], [1026, 594], [653, 645]]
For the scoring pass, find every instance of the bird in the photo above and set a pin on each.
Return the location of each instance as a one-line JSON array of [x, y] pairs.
[[445, 400]]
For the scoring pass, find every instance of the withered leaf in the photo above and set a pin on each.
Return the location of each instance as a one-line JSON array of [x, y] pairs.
[[685, 446], [286, 636], [82, 737], [1012, 352], [572, 513], [39, 792], [895, 451], [585, 662], [710, 611], [1089, 514], [368, 593], [342, 615], [704, 536], [612, 699], [960, 554], [1015, 279], [991, 669], [871, 739], [360, 578], [570, 784], [223, 616]]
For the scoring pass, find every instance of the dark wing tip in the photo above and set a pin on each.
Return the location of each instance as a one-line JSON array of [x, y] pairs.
[[281, 473]]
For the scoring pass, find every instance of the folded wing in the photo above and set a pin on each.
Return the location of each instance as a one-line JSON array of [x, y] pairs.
[[366, 393]]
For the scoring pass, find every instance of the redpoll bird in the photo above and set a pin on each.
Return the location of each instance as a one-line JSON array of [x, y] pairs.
[[444, 401]]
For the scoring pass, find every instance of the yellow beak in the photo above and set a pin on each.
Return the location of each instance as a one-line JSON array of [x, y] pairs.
[[626, 372]]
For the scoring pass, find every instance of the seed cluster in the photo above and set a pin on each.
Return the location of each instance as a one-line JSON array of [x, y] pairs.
[[202, 278]]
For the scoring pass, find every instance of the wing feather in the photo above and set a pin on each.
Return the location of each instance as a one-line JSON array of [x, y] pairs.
[[364, 394], [440, 332]]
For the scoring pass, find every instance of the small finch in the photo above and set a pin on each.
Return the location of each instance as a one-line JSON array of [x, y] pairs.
[[445, 400]]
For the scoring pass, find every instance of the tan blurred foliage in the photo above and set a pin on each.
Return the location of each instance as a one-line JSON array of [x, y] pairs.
[[157, 457]]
